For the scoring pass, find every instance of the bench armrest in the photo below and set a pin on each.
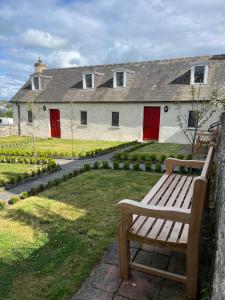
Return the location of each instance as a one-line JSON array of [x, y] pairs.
[[127, 206], [171, 163]]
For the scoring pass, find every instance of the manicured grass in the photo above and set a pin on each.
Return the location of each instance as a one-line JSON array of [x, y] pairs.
[[6, 140], [8, 170], [50, 242], [164, 149], [61, 145]]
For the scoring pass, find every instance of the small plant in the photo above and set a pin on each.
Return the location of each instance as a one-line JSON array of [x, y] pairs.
[[134, 157], [23, 195], [136, 167], [153, 157], [126, 165], [87, 167], [158, 168], [96, 165], [162, 158], [189, 157], [116, 165], [180, 156], [2, 204], [148, 167], [105, 165], [14, 199], [182, 169], [143, 157], [125, 156]]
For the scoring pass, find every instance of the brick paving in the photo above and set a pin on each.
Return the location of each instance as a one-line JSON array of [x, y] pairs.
[[104, 282]]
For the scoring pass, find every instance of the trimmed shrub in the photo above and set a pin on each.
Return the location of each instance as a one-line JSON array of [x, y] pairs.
[[143, 157], [23, 195], [134, 157], [105, 165], [14, 199], [180, 156], [189, 157], [125, 156], [182, 169], [136, 167], [158, 168], [96, 165], [153, 157], [87, 167], [116, 165], [162, 158], [126, 165], [2, 204], [148, 167]]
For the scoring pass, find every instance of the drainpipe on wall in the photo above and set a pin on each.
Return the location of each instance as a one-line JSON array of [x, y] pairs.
[[18, 107]]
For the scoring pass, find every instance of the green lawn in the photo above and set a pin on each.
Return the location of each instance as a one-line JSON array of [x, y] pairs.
[[50, 242], [6, 140], [164, 149], [8, 170]]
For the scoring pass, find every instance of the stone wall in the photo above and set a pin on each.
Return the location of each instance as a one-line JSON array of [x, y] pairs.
[[219, 272], [6, 130]]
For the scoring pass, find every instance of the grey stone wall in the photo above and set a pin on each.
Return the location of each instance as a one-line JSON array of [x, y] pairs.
[[8, 130], [219, 272]]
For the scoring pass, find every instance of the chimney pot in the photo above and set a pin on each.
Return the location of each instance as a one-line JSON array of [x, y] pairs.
[[39, 66]]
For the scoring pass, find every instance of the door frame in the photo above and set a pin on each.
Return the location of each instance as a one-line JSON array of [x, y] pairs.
[[143, 114], [50, 127]]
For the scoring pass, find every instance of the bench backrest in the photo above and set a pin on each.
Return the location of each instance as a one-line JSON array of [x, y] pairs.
[[200, 190]]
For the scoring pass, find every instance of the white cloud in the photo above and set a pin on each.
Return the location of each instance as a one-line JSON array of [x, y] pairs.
[[37, 38], [9, 86], [65, 59]]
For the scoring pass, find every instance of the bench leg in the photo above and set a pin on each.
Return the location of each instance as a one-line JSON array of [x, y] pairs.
[[124, 250], [192, 273]]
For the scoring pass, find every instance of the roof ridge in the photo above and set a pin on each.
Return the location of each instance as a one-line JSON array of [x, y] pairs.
[[137, 62]]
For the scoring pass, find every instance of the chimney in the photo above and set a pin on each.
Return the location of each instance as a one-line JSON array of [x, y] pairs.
[[39, 66]]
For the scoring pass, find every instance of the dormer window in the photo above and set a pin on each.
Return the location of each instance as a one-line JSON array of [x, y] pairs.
[[119, 79], [88, 81], [199, 74], [36, 83]]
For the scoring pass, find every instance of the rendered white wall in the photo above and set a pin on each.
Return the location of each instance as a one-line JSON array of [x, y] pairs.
[[99, 121]]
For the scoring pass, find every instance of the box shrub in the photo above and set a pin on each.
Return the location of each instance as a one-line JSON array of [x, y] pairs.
[[180, 156], [162, 158], [158, 168], [87, 167], [116, 165], [23, 195], [182, 169], [105, 165], [96, 165], [148, 167], [126, 165], [136, 167], [153, 157], [2, 204], [14, 199], [189, 157], [134, 157]]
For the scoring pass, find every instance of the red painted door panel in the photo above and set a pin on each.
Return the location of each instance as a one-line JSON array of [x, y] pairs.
[[151, 123], [55, 123]]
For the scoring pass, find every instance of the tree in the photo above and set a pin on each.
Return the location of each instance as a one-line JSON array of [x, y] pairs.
[[202, 111]]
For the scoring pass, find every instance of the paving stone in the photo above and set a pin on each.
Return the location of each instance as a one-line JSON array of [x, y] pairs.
[[177, 265], [90, 293], [172, 290], [156, 249], [140, 286], [152, 259], [112, 256], [117, 297], [105, 277]]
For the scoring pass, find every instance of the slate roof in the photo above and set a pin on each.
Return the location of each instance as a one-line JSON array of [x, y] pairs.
[[151, 81]]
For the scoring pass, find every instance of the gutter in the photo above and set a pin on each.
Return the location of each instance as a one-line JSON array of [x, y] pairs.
[[18, 108]]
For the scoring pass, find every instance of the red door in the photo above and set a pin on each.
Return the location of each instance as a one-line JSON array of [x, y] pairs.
[[55, 123], [151, 123]]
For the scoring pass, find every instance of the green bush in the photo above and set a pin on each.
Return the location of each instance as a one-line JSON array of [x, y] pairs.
[[105, 165], [14, 199], [136, 167], [96, 165], [153, 157], [158, 168], [162, 158], [134, 157], [87, 167], [189, 157], [182, 169], [148, 167], [125, 156], [23, 195], [126, 165], [116, 165], [180, 156], [143, 157], [2, 204]]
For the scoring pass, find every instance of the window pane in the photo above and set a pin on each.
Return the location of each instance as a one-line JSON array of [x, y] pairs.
[[30, 117], [119, 78], [199, 74], [36, 83], [83, 118], [192, 118], [115, 118], [88, 78]]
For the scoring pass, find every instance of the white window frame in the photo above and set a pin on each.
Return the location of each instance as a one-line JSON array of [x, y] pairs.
[[205, 74], [124, 79], [39, 83], [92, 81]]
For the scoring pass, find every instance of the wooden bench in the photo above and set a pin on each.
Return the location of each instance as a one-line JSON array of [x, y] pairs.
[[169, 216], [204, 138]]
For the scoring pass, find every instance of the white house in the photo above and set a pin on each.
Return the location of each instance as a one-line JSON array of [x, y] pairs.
[[131, 101]]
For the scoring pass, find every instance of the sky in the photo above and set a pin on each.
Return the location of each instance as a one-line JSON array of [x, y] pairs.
[[68, 33]]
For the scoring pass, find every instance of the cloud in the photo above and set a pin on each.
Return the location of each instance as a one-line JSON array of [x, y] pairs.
[[65, 59], [37, 38]]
